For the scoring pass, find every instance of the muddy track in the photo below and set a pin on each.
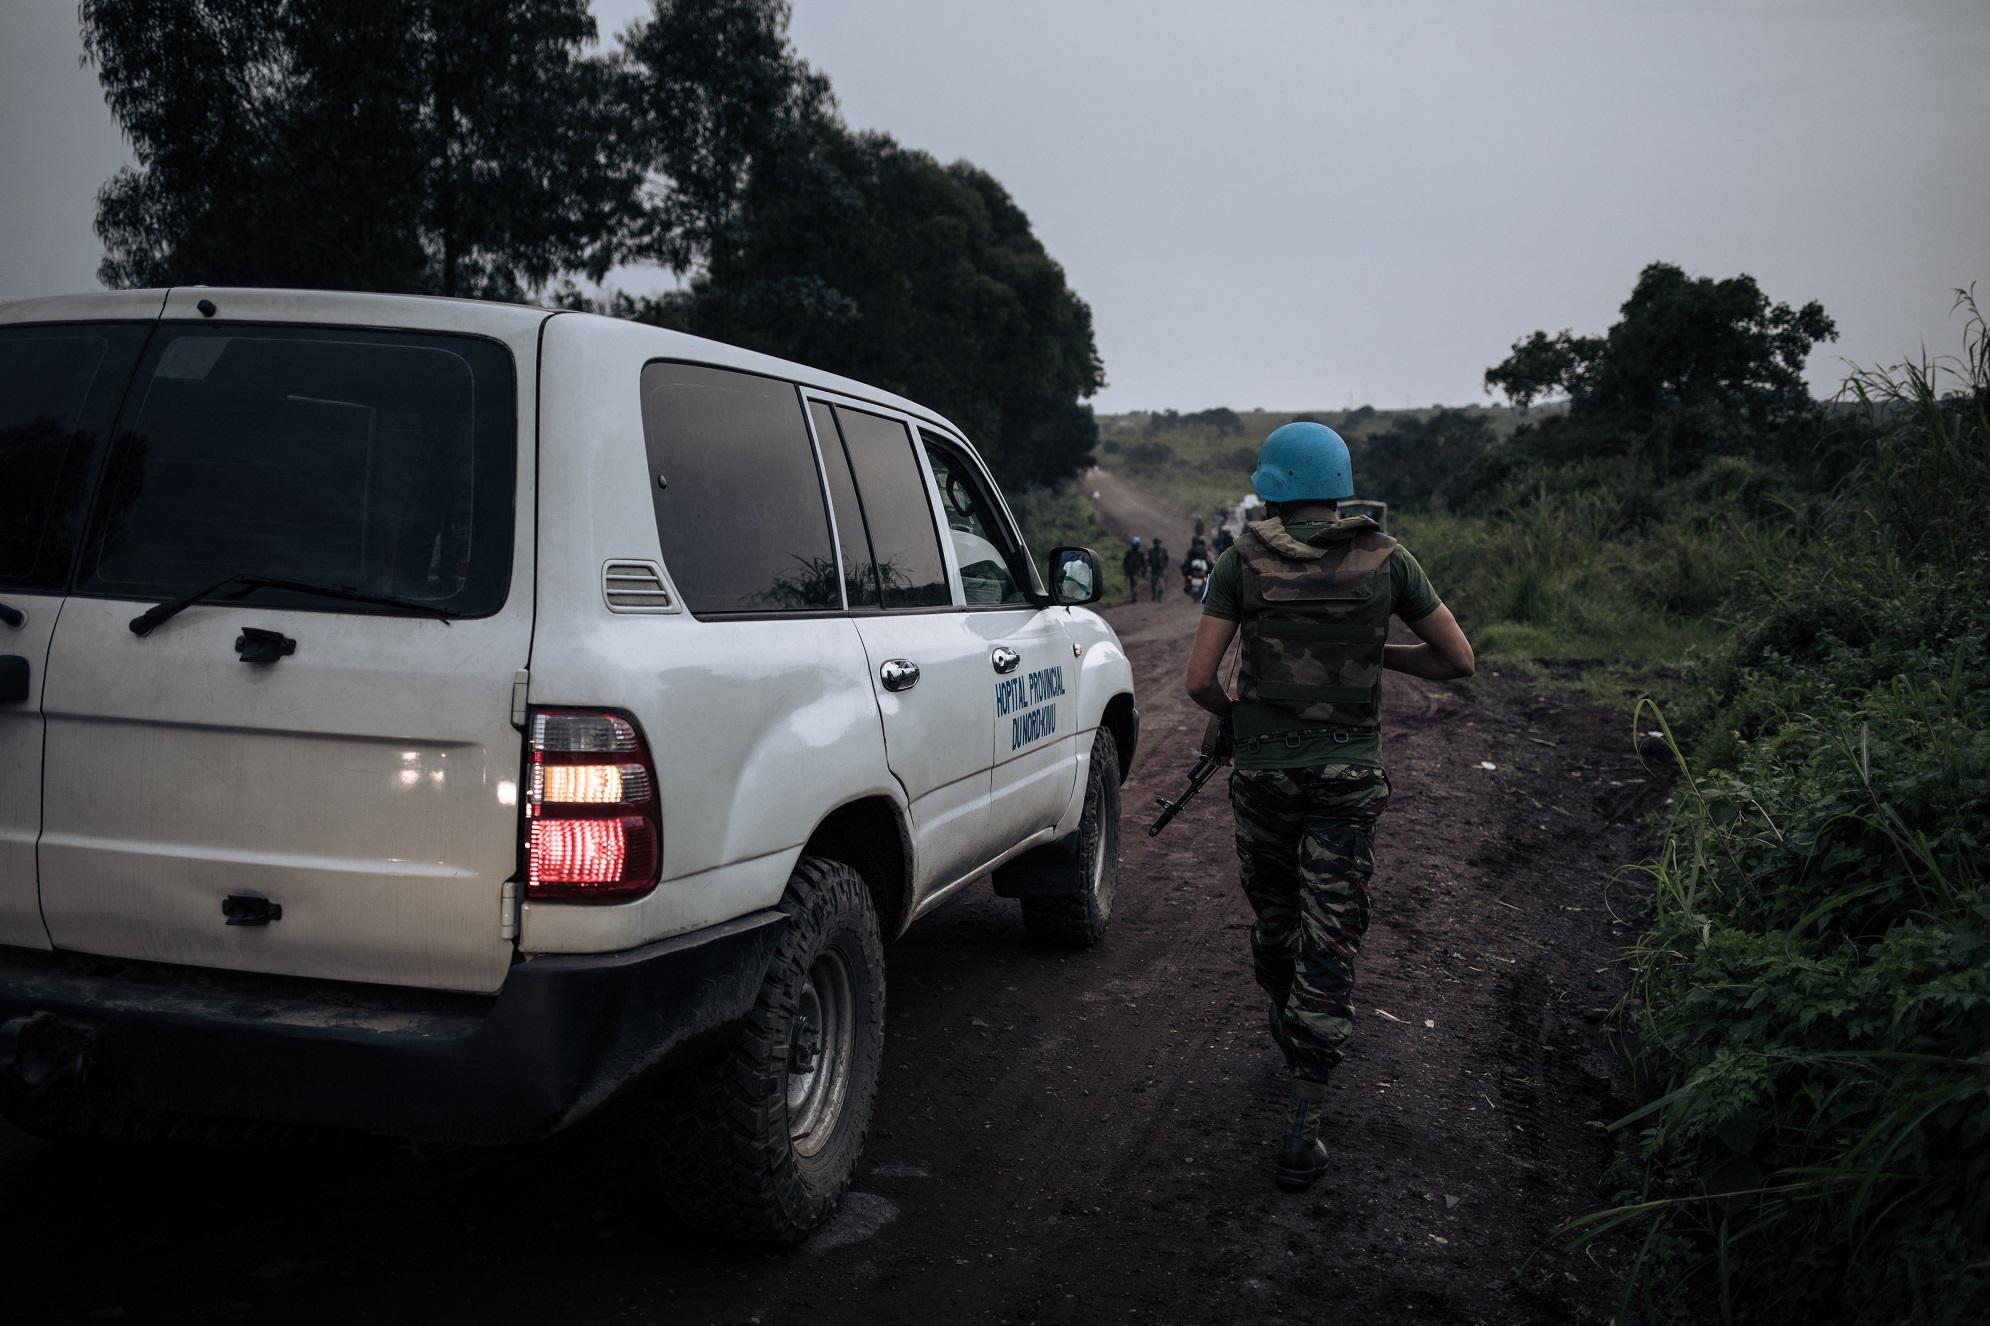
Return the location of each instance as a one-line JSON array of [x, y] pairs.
[[1059, 1137]]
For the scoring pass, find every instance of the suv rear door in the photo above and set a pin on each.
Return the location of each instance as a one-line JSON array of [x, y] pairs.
[[365, 781], [59, 389]]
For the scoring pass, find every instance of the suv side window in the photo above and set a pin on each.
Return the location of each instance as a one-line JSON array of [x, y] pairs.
[[739, 506], [58, 387], [991, 565], [860, 573], [904, 545]]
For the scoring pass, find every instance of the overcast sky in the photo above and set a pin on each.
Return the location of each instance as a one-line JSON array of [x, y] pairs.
[[1290, 205]]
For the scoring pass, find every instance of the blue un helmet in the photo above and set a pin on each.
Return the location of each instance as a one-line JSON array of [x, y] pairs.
[[1303, 463]]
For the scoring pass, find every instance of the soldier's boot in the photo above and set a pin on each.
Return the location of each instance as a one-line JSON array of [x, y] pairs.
[[1302, 1156]]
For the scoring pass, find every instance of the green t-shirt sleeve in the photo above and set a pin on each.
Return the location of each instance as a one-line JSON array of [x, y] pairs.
[[1219, 596], [1415, 599]]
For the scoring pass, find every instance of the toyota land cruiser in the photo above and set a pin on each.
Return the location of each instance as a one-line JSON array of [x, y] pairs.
[[435, 717]]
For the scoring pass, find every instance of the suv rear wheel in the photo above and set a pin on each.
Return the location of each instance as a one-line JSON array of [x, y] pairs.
[[762, 1144], [1089, 858]]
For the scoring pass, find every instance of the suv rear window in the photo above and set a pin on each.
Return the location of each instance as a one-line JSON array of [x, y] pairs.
[[381, 461], [59, 385], [739, 507]]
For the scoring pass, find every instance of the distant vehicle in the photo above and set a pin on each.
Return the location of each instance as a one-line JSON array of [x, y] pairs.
[[434, 717], [1376, 511]]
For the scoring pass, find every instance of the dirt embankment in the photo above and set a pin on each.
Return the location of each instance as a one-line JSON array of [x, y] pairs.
[[1059, 1137]]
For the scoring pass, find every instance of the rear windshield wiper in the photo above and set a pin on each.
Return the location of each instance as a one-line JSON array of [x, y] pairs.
[[246, 583]]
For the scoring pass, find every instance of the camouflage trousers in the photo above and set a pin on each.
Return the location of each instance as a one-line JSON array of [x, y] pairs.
[[1305, 838]]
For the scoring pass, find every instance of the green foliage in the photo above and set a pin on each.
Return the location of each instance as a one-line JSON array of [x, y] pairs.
[[921, 278], [445, 146], [1059, 516], [464, 147], [1203, 461], [1812, 1001], [1420, 463], [1694, 368]]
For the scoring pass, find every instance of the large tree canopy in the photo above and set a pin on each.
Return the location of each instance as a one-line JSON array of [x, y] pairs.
[[851, 252], [475, 147], [446, 146], [1693, 366]]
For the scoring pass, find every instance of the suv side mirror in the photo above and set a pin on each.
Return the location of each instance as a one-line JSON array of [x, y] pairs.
[[1075, 577]]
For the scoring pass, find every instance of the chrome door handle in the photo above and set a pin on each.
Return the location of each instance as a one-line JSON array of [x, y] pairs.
[[899, 674], [1006, 659]]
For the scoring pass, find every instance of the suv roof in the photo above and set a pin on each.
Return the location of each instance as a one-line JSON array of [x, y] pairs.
[[475, 316]]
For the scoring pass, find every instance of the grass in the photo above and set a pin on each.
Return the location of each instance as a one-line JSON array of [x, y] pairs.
[[1198, 468]]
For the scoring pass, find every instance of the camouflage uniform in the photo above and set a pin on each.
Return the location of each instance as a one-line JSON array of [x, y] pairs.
[[1305, 838], [1314, 616]]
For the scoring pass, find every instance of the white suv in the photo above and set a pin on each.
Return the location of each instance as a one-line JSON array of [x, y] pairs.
[[431, 717]]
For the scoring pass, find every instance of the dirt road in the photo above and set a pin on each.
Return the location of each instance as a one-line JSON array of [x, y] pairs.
[[1059, 1137]]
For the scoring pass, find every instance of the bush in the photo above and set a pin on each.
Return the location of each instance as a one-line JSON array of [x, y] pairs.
[[1812, 1001], [1054, 516]]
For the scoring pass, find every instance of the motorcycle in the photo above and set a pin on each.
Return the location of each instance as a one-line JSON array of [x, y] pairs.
[[1195, 579]]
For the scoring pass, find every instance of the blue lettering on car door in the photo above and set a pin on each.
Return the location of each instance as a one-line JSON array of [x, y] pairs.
[[1035, 695]]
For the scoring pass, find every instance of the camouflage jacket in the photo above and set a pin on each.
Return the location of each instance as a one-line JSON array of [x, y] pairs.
[[1315, 617]]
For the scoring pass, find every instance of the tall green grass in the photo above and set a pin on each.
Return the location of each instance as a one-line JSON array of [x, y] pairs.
[[1811, 1003]]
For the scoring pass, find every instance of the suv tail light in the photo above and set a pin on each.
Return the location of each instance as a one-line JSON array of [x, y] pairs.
[[593, 827]]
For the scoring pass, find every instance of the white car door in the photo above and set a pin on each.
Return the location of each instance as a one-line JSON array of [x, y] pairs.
[[1034, 764], [59, 388], [930, 664]]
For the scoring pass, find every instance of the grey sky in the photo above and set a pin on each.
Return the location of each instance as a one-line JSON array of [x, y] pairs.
[[1284, 204]]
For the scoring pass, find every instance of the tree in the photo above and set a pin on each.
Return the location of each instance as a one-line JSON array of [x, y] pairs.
[[440, 146], [1419, 463], [1693, 367], [712, 89], [856, 254]]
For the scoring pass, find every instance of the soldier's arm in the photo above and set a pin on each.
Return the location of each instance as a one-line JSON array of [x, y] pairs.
[[1205, 656], [1444, 655]]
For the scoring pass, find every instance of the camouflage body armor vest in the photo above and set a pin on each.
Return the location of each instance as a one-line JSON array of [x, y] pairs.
[[1315, 618]]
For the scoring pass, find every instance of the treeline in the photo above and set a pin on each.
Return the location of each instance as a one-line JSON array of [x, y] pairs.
[[1810, 1009], [486, 148]]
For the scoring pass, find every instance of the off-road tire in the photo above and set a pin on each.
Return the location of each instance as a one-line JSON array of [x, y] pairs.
[[83, 1118], [1079, 920], [723, 1130]]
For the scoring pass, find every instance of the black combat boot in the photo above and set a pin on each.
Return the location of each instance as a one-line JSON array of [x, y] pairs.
[[1302, 1157]]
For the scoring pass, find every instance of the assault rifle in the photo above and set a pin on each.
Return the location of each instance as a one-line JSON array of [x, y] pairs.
[[1205, 769], [1216, 746]]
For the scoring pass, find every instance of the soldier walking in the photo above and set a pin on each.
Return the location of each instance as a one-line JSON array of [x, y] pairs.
[[1158, 558], [1134, 563], [1313, 595]]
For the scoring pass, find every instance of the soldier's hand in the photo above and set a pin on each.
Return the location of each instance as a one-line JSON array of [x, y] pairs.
[[1219, 740]]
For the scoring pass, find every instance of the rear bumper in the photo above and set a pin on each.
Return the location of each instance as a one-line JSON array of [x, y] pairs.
[[563, 1033]]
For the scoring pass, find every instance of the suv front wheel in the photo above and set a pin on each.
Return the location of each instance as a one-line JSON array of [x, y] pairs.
[[1067, 887], [762, 1144]]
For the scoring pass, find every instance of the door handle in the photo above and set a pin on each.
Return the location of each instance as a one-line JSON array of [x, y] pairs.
[[1006, 660], [899, 674]]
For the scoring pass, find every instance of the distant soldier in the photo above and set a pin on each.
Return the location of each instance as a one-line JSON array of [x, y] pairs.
[[1135, 566], [1313, 596], [1225, 540], [1157, 567]]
